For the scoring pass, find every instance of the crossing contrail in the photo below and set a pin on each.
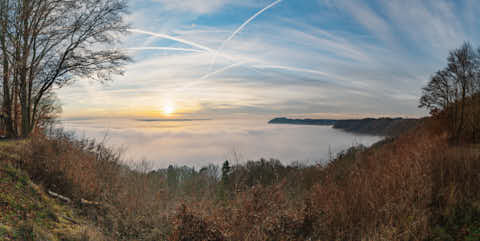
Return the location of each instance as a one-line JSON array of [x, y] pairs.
[[180, 40], [171, 38], [241, 28]]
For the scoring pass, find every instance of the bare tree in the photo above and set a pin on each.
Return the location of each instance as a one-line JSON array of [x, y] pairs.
[[438, 94], [48, 110], [47, 43], [462, 66], [451, 88]]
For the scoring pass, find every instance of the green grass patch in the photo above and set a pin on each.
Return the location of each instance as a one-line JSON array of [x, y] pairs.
[[26, 212], [5, 231]]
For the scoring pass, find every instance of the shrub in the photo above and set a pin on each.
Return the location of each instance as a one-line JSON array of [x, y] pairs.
[[188, 226]]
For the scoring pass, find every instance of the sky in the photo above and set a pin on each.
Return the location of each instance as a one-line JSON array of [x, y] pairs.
[[312, 58]]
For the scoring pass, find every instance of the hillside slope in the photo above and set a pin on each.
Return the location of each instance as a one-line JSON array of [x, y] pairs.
[[28, 213], [416, 186]]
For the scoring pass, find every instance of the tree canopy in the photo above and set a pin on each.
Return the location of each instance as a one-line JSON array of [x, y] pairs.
[[47, 43], [454, 90]]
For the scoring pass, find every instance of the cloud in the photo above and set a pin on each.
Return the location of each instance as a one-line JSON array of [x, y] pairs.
[[363, 56], [199, 6], [259, 76], [199, 143], [165, 36], [367, 17], [195, 6], [434, 22]]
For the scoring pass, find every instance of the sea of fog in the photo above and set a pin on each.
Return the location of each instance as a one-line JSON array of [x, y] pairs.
[[202, 142]]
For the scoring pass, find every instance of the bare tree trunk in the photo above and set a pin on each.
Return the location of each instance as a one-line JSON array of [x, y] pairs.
[[462, 115], [7, 97]]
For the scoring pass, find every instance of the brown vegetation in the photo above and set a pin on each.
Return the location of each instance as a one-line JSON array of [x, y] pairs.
[[414, 187]]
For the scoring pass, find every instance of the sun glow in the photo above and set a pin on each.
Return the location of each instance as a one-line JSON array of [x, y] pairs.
[[168, 109]]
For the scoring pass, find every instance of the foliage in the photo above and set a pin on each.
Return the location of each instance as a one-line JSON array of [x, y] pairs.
[[190, 227], [454, 92], [48, 43]]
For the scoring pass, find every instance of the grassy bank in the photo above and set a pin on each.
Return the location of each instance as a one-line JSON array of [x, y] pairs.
[[27, 212]]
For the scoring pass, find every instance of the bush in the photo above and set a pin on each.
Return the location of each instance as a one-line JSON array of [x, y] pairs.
[[188, 226]]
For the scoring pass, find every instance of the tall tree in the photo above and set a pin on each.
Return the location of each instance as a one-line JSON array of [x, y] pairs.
[[47, 43], [226, 171], [451, 88], [462, 66]]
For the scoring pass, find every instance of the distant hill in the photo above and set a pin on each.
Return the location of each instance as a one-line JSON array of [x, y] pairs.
[[319, 122], [381, 126], [370, 126]]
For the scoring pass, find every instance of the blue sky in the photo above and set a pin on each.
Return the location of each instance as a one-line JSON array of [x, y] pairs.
[[297, 58]]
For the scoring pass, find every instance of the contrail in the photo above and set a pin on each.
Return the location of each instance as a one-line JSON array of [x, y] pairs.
[[292, 69], [200, 80], [182, 41], [241, 28], [168, 48], [171, 38], [311, 71], [267, 66], [251, 19], [223, 69]]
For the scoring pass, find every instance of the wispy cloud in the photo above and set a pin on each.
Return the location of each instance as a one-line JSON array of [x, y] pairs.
[[367, 17], [199, 6], [433, 22], [165, 36], [165, 48], [300, 57]]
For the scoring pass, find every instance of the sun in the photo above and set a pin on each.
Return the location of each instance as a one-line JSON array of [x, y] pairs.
[[168, 109]]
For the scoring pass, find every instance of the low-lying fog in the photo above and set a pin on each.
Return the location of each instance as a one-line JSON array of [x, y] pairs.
[[202, 141]]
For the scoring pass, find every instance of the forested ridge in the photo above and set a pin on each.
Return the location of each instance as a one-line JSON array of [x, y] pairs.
[[371, 126]]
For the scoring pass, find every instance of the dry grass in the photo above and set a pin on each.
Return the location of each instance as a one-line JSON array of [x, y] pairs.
[[402, 190], [415, 187]]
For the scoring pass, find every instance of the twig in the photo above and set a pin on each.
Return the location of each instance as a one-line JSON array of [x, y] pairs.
[[56, 195]]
